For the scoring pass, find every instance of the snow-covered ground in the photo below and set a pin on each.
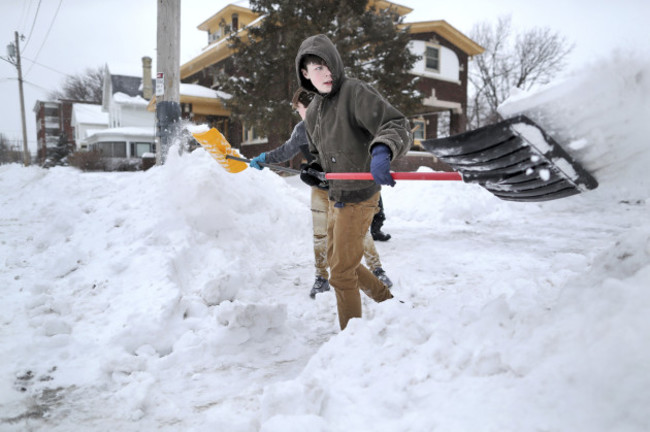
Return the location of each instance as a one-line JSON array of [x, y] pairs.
[[177, 299]]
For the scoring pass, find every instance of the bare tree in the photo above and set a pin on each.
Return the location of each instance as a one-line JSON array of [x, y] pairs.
[[510, 61], [9, 153], [84, 87]]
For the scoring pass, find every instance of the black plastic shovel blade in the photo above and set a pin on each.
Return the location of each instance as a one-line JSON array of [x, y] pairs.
[[515, 159]]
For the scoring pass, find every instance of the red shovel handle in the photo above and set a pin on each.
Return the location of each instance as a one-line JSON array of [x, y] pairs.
[[397, 176]]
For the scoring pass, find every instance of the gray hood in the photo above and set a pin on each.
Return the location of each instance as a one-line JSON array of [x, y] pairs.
[[323, 47]]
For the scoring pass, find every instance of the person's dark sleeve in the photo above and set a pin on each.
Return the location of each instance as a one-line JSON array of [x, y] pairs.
[[290, 148], [383, 121]]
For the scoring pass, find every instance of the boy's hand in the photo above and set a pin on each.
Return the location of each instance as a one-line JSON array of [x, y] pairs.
[[307, 175], [255, 162], [380, 165]]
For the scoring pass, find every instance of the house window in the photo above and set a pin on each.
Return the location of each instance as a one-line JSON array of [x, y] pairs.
[[418, 130], [250, 135], [214, 36], [235, 22], [54, 112], [432, 58], [111, 149], [138, 149]]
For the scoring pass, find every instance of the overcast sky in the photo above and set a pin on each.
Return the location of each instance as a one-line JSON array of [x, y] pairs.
[[68, 36]]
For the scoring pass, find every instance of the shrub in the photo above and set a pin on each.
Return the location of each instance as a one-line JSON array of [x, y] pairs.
[[87, 160]]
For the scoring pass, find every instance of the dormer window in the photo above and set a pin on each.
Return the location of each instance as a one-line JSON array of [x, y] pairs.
[[213, 37], [235, 22], [432, 58]]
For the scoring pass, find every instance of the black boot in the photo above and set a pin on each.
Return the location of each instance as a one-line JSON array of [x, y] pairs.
[[383, 278], [380, 236], [320, 285], [377, 223]]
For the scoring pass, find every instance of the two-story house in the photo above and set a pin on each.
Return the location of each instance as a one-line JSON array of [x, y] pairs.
[[54, 120], [121, 127], [445, 53], [131, 127]]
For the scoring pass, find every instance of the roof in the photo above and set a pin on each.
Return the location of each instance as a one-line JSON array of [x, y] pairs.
[[214, 53], [383, 4], [129, 85], [202, 99], [200, 91], [133, 131], [122, 98], [89, 114], [220, 50], [242, 7], [126, 84], [121, 133], [447, 31]]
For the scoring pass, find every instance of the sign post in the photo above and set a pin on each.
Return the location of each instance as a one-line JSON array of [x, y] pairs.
[[168, 107]]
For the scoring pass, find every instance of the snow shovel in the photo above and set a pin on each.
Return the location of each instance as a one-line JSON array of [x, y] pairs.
[[216, 144], [515, 159]]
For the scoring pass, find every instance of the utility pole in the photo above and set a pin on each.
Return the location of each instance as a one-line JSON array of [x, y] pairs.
[[14, 50], [168, 107]]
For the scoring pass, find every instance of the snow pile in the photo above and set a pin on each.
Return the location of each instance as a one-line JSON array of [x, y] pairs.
[[177, 298]]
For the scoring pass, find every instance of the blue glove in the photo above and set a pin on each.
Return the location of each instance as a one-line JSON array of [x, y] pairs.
[[380, 165], [255, 162]]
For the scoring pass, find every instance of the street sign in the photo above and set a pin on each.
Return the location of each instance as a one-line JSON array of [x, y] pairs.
[[160, 84]]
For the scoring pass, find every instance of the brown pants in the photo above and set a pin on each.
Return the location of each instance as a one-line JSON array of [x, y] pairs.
[[319, 209], [347, 227]]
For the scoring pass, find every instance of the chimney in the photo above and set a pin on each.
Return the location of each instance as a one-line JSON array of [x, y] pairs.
[[147, 84]]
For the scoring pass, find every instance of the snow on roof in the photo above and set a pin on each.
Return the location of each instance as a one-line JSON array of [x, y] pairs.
[[89, 114], [122, 132], [91, 132], [200, 91], [133, 130], [126, 99]]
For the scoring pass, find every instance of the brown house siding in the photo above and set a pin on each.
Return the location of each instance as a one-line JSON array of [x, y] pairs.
[[445, 90], [450, 91]]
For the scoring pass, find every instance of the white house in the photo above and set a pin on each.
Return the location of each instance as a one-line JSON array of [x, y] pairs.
[[86, 120], [131, 128], [123, 142]]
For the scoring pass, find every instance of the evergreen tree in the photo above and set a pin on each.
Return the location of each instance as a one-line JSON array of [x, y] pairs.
[[58, 156], [262, 76]]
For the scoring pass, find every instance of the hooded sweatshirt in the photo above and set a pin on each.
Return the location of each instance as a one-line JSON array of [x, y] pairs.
[[344, 125]]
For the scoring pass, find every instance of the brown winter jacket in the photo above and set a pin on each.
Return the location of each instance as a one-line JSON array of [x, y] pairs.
[[346, 123]]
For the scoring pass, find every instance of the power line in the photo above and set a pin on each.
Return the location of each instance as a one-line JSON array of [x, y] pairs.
[[27, 5], [46, 67], [46, 36], [26, 82], [33, 24], [37, 86]]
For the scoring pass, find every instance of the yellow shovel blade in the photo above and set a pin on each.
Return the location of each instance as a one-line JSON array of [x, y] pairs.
[[216, 144]]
